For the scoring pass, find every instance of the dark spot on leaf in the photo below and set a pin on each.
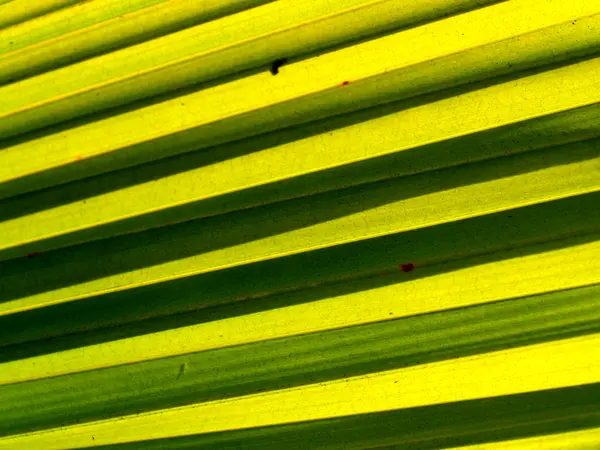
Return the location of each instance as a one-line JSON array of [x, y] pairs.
[[407, 267], [33, 254], [276, 65], [181, 370], [345, 83]]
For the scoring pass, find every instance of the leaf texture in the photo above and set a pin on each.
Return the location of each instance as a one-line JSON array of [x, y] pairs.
[[300, 224]]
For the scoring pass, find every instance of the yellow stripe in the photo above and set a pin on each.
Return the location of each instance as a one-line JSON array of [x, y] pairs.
[[91, 26], [20, 10], [50, 26], [407, 214], [456, 116], [459, 76], [515, 276], [233, 37], [557, 364], [398, 53], [574, 440]]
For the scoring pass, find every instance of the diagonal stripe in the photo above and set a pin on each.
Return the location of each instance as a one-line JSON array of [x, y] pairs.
[[570, 362], [490, 282], [260, 103]]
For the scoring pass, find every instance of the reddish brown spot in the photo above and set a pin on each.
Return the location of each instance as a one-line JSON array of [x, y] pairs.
[[407, 267], [33, 254], [345, 83], [384, 274]]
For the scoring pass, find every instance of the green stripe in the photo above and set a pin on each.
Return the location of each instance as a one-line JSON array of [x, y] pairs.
[[17, 11], [487, 237], [201, 119], [432, 427], [269, 223], [67, 21], [548, 131], [84, 32], [299, 360]]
